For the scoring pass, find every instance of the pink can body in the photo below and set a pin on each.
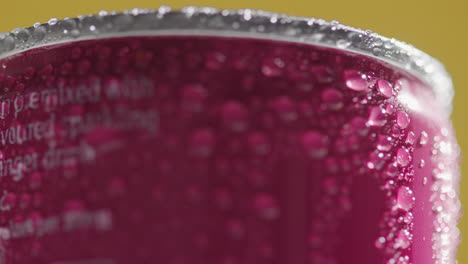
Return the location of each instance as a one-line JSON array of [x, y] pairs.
[[204, 150]]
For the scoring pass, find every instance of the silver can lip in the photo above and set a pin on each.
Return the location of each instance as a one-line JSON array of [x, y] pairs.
[[246, 23]]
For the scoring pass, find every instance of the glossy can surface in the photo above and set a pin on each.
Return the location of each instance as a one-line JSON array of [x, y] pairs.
[[216, 149]]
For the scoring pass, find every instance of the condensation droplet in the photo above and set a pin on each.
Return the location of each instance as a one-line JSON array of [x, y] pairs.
[[202, 142], [377, 51], [356, 81], [315, 144], [403, 239], [444, 131], [406, 218], [67, 26], [390, 109], [331, 165], [53, 21], [395, 132], [258, 143], [75, 33], [21, 34], [234, 116], [266, 206], [375, 161], [385, 88], [410, 138], [376, 117], [122, 22], [403, 157], [402, 119], [273, 67], [285, 108], [322, 73], [343, 43], [384, 143], [405, 198], [215, 60], [39, 33], [92, 24], [422, 163], [8, 43], [345, 203], [332, 98], [357, 125], [380, 242], [423, 138]]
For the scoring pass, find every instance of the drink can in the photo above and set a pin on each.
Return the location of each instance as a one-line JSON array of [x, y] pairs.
[[206, 136]]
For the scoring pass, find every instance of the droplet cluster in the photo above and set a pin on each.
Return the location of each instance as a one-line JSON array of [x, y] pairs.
[[444, 199], [219, 150], [246, 22]]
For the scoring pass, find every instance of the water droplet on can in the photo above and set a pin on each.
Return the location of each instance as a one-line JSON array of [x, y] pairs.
[[285, 108], [39, 33], [258, 143], [375, 161], [384, 143], [7, 42], [410, 138], [343, 43], [405, 198], [315, 144], [66, 26], [122, 22], [380, 242], [402, 119], [234, 116], [423, 138], [422, 163], [355, 81], [332, 98], [266, 206], [403, 157], [53, 21], [202, 142], [193, 97], [385, 88], [21, 34], [273, 67], [403, 239], [376, 117]]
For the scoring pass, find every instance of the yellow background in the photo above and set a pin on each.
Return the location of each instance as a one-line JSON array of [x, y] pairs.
[[437, 27]]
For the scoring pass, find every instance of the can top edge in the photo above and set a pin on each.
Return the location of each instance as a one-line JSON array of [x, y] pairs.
[[225, 22]]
